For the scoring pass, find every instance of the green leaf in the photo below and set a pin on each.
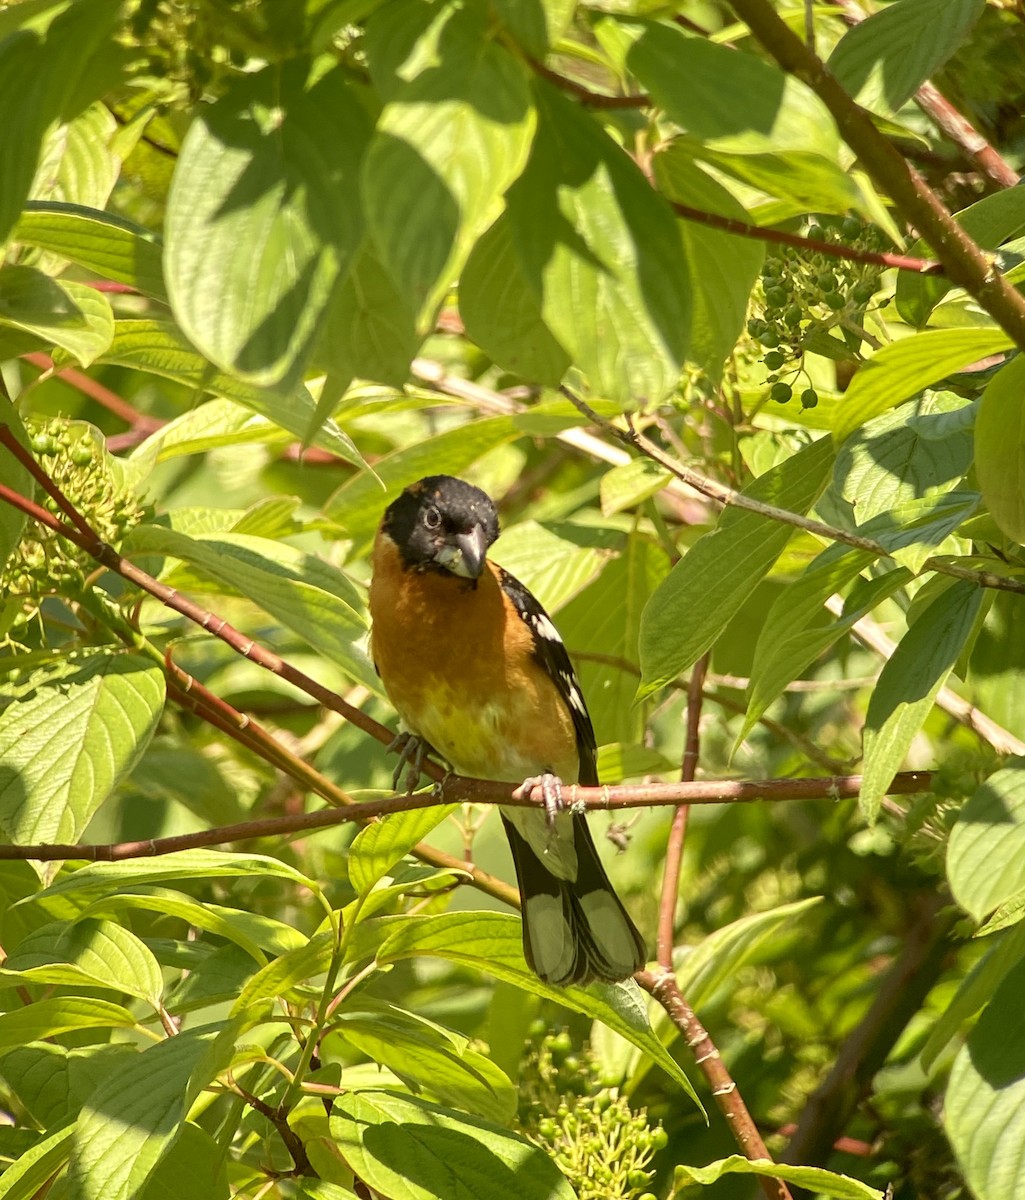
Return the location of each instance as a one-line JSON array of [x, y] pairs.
[[908, 684], [905, 455], [101, 242], [262, 220], [409, 1148], [975, 991], [706, 589], [60, 1014], [984, 1110], [724, 266], [989, 222], [760, 109], [287, 971], [454, 133], [556, 561], [195, 1166], [46, 80], [606, 618], [369, 330], [602, 253], [68, 734], [537, 27], [493, 942], [502, 313], [137, 1114], [305, 593], [69, 315], [158, 347], [28, 1176], [1000, 448], [104, 878], [381, 844], [53, 1082], [902, 369], [816, 1179], [798, 628], [430, 1056], [359, 503], [252, 932], [882, 61], [766, 128], [17, 478], [631, 484], [99, 953], [986, 851]]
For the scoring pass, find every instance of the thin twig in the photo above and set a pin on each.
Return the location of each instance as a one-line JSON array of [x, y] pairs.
[[111, 401], [761, 233], [1002, 740], [584, 94], [678, 830], [726, 496]]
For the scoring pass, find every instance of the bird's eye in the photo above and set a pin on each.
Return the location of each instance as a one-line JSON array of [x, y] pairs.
[[432, 518]]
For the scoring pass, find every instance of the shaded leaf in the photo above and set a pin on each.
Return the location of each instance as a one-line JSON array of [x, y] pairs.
[[454, 133], [256, 237], [601, 252], [409, 1148]]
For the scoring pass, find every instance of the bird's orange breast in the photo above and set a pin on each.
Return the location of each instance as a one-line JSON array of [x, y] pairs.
[[457, 661]]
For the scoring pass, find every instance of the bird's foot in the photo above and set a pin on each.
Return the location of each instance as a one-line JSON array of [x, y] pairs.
[[551, 790], [412, 751]]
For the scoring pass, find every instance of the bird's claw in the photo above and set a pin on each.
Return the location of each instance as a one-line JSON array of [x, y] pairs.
[[551, 791], [412, 751]]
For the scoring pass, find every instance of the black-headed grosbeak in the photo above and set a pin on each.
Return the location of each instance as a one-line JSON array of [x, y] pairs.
[[475, 668]]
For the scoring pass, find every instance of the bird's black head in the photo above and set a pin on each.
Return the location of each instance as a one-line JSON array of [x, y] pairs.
[[442, 524]]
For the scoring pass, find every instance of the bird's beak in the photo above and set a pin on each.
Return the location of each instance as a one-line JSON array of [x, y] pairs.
[[464, 553]]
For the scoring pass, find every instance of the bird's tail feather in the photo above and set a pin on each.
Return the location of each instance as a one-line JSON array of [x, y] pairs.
[[574, 932]]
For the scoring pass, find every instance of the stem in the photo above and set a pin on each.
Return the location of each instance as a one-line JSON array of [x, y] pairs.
[[663, 988], [678, 831], [966, 264]]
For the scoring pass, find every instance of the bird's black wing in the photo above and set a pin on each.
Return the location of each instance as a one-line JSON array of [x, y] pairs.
[[550, 652]]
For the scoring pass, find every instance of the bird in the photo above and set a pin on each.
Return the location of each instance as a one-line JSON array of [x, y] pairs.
[[477, 672]]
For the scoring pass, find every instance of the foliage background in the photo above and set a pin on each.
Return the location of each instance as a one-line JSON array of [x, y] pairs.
[[266, 264]]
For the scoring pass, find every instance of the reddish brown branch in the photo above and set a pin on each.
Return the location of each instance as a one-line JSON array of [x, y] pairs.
[[583, 93], [965, 263], [111, 401], [663, 988], [951, 122], [678, 830], [457, 788], [903, 262]]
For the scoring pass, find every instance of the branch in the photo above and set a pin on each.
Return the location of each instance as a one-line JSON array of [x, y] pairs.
[[724, 495], [111, 401], [458, 788], [903, 262], [966, 264], [663, 988], [678, 830], [954, 124]]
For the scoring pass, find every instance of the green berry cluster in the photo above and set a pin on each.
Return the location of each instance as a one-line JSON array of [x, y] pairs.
[[805, 296], [600, 1144], [43, 563]]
